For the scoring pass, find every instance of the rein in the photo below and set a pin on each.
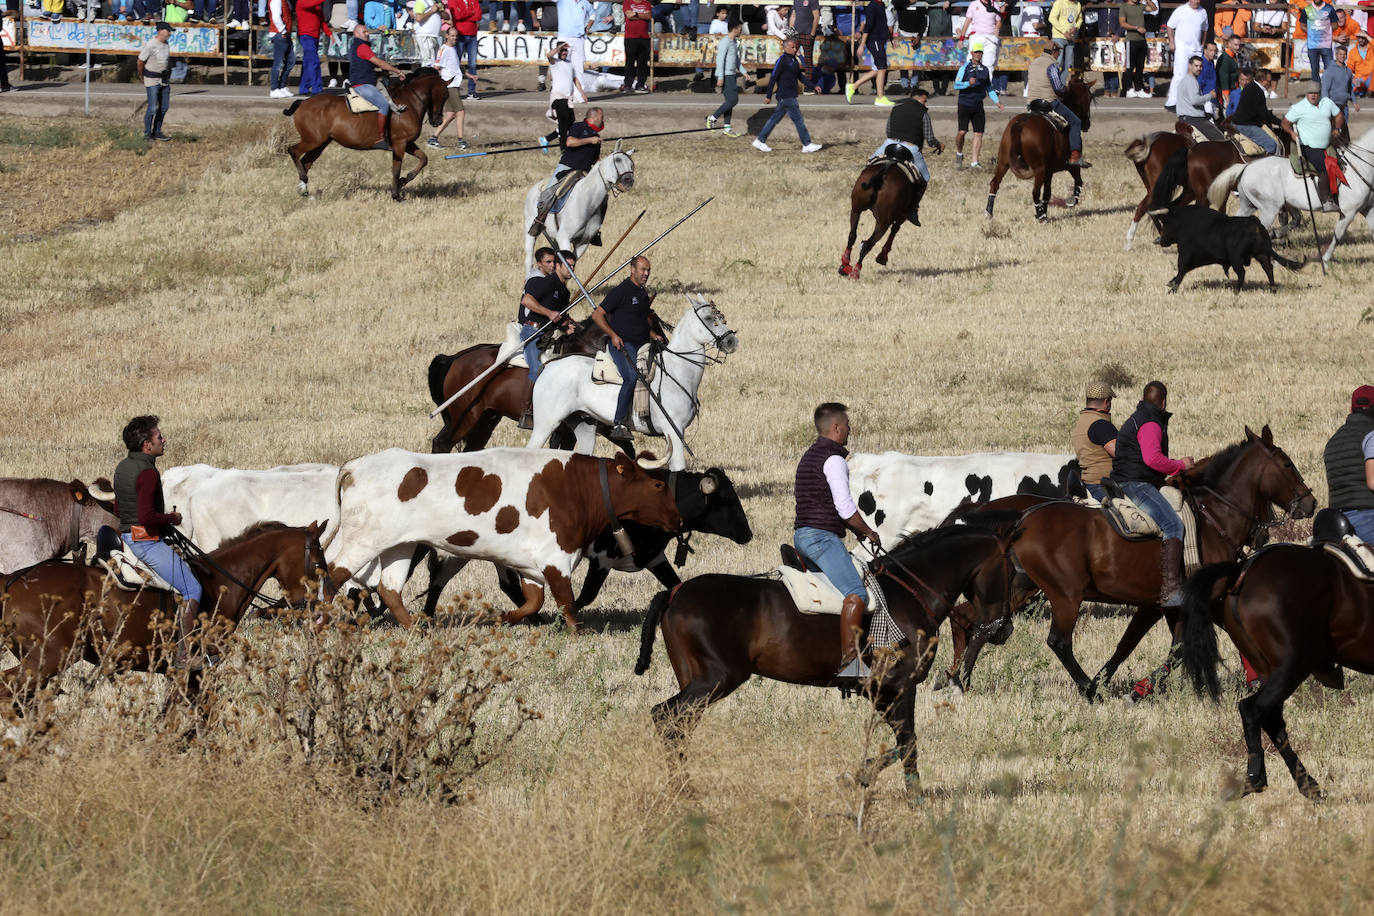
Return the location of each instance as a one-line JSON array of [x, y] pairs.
[[184, 544], [879, 566], [1253, 521]]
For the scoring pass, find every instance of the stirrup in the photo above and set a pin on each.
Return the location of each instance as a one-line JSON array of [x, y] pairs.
[[854, 672], [382, 145]]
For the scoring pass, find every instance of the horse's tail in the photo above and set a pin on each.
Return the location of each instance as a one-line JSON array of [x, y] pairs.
[[438, 371], [1200, 656], [875, 182], [646, 634], [1222, 187], [1173, 175], [291, 109], [1016, 160], [1138, 150]]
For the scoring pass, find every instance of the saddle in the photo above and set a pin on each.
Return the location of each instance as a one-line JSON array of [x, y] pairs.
[[513, 340], [1043, 108], [127, 571], [555, 193], [907, 167], [604, 372], [1332, 532], [357, 104], [1130, 522], [813, 593]]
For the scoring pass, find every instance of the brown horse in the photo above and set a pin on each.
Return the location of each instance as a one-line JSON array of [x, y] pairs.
[[1032, 148], [1293, 611], [720, 629], [885, 189], [1073, 554], [325, 118], [56, 613]]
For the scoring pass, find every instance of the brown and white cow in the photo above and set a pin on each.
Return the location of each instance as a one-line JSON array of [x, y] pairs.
[[531, 510], [42, 519]]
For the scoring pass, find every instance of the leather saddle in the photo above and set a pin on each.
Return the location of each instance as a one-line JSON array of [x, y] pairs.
[[903, 162], [357, 104], [1045, 109], [128, 571], [811, 591], [1126, 518], [1332, 532]]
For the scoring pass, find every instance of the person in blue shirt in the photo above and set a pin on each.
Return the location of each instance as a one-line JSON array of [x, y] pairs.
[[1207, 79], [783, 83], [973, 82], [874, 40]]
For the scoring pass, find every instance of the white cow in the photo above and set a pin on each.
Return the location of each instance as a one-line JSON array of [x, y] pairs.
[[218, 503], [902, 494], [534, 511]]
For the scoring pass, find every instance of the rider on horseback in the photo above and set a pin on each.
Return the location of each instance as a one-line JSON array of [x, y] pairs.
[[1193, 102], [1349, 459], [825, 509], [909, 126], [579, 157], [624, 316], [1140, 466], [1045, 84], [143, 521], [362, 75], [543, 300], [1311, 121], [1094, 438]]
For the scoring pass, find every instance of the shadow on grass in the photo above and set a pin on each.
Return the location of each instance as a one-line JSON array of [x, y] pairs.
[[1104, 211], [953, 271]]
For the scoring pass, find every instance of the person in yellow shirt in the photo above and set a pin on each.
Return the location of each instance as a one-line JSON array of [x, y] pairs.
[[1066, 17]]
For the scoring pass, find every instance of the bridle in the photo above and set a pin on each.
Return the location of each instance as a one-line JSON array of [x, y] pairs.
[[701, 359], [1254, 521], [312, 546], [617, 187]]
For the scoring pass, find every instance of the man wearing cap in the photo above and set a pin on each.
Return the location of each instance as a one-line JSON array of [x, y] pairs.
[[909, 126], [1349, 458], [1094, 438], [1141, 463], [1311, 121], [155, 67], [362, 76], [973, 82], [1045, 81]]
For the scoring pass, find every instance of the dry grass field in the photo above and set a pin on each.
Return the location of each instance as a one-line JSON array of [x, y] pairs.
[[268, 329]]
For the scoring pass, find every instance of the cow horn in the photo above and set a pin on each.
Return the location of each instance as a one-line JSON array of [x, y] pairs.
[[709, 484], [649, 463], [102, 489]]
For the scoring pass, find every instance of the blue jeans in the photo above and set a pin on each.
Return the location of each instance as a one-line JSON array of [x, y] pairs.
[[528, 335], [1260, 136], [1153, 504], [625, 364], [283, 59], [158, 98], [916, 158], [167, 563], [467, 46], [792, 109], [1363, 520], [686, 15], [123, 9], [1075, 125], [825, 549], [1095, 491], [374, 95], [206, 9], [310, 65], [1065, 54], [1319, 57]]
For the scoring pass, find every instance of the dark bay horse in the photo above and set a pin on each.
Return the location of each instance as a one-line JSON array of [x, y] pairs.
[[56, 613], [322, 119], [884, 188], [720, 629], [1073, 554], [1293, 611], [1032, 148]]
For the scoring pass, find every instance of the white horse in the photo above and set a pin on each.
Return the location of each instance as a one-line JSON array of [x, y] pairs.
[[579, 220], [1268, 186], [565, 387]]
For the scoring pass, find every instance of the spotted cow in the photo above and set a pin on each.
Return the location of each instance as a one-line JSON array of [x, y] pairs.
[[534, 511], [902, 494]]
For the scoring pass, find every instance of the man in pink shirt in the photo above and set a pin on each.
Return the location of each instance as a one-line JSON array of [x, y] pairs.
[[1140, 466]]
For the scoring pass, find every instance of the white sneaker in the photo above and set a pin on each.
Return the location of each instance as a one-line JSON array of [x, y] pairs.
[[349, 25], [334, 84], [811, 148], [761, 146]]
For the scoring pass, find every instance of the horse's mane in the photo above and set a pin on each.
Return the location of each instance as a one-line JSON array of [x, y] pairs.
[[252, 531], [913, 543], [421, 73], [1211, 469]]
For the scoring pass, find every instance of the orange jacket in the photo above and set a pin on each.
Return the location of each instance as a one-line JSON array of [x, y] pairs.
[[1345, 33], [1227, 14], [1361, 67]]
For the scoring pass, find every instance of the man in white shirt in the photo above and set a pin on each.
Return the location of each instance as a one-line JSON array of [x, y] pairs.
[[425, 15], [451, 71], [1186, 27]]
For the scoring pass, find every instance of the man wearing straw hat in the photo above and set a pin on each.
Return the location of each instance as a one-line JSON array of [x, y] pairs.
[[1094, 437]]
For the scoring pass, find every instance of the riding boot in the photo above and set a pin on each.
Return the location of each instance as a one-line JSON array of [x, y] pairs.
[[1076, 159], [852, 667], [1327, 196], [185, 624], [1171, 573], [382, 133], [537, 227], [527, 418]]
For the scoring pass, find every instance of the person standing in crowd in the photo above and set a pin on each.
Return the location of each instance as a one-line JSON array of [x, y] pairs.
[[874, 39], [155, 67], [427, 21], [782, 83], [280, 25], [983, 24], [806, 23], [1228, 72], [1319, 20], [1271, 22], [1207, 79], [939, 26], [565, 91], [1133, 24], [4, 58], [1230, 20], [911, 25], [1252, 112], [973, 83], [638, 22], [1066, 17], [727, 78], [451, 72], [309, 24], [1187, 24], [1311, 121], [1338, 85], [1094, 438], [573, 18], [1360, 60], [1349, 460], [466, 14]]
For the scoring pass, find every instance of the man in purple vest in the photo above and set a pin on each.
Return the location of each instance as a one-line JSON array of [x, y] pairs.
[[825, 510]]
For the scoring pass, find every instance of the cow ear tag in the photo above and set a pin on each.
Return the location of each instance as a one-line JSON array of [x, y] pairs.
[[620, 469]]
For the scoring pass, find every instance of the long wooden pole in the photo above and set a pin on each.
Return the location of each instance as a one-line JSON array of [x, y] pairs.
[[607, 256]]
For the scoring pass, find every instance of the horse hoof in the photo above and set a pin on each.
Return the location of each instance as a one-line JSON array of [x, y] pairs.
[[844, 270], [1071, 203], [1253, 788], [882, 259], [304, 189]]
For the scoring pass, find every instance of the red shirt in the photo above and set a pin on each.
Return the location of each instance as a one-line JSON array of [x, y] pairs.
[[466, 15], [310, 17], [637, 28]]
